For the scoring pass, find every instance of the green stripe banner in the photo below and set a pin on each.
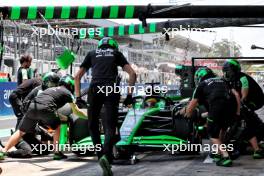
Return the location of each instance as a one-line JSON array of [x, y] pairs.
[[32, 13], [122, 30], [49, 12], [65, 12], [15, 13], [98, 12], [81, 12], [74, 12], [133, 11]]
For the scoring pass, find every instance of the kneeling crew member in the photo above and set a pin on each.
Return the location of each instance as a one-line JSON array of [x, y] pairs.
[[44, 109], [17, 96], [221, 104], [251, 96]]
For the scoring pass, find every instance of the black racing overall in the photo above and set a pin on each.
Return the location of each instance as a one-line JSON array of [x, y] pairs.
[[104, 63]]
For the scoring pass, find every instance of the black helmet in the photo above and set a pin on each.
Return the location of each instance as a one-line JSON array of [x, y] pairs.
[[231, 69], [202, 74], [68, 82], [108, 42], [50, 79]]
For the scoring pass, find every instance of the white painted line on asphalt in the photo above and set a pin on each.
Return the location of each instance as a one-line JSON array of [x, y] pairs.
[[208, 160]]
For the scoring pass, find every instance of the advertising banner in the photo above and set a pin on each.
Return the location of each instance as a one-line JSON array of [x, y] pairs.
[[5, 90]]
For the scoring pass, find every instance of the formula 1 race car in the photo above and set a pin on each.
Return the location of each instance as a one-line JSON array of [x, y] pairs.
[[151, 123], [154, 122]]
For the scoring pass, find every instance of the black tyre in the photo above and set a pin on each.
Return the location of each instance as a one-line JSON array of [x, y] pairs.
[[78, 131]]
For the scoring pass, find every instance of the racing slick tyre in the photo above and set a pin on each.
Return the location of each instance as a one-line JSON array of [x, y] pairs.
[[185, 129], [77, 133]]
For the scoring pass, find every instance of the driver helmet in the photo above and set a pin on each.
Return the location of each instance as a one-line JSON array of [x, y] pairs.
[[151, 102]]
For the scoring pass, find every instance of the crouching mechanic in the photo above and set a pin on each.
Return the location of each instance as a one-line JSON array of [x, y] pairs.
[[221, 104], [43, 109], [252, 99], [104, 62], [50, 79], [17, 96], [24, 147]]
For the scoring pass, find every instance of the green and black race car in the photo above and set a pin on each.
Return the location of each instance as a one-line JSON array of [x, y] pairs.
[[151, 122]]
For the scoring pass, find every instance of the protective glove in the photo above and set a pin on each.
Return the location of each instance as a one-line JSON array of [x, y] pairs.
[[81, 103], [128, 100]]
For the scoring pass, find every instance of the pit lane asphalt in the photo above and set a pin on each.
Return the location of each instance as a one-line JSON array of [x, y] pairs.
[[151, 163]]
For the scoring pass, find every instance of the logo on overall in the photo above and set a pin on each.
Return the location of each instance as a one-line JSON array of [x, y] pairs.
[[6, 98]]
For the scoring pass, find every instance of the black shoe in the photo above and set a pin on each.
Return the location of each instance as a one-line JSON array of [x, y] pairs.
[[217, 157], [259, 154], [2, 155], [104, 163], [225, 162], [59, 156]]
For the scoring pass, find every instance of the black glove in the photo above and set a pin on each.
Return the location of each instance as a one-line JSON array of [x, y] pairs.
[[81, 103], [128, 100]]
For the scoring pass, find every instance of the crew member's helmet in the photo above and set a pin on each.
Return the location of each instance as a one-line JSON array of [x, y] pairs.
[[231, 69], [151, 102], [68, 82], [202, 74], [107, 42], [50, 79]]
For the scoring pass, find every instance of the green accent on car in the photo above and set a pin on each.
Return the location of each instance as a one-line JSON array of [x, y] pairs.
[[65, 12], [131, 29], [81, 12], [121, 30], [88, 141], [175, 97], [63, 135], [98, 11], [244, 82], [113, 12], [129, 11], [32, 12], [49, 12], [157, 141], [15, 13]]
